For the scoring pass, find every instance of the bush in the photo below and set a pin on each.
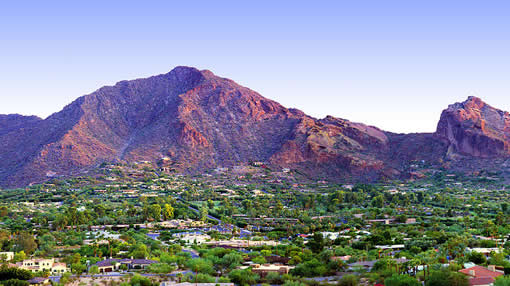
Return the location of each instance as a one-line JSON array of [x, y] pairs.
[[312, 268], [15, 282], [401, 280], [243, 277], [274, 278], [348, 280], [8, 273], [94, 269], [139, 280], [200, 278], [477, 258], [161, 268], [502, 281]]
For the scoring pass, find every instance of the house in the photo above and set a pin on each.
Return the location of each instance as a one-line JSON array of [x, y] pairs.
[[392, 247], [265, 269], [36, 265], [385, 221], [111, 265], [485, 251], [479, 275], [236, 243], [330, 235], [344, 258], [193, 237], [410, 220]]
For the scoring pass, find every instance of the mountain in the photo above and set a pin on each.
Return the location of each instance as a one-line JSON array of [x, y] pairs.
[[201, 121], [474, 128]]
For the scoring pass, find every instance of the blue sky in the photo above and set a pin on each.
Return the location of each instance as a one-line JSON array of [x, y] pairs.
[[392, 64]]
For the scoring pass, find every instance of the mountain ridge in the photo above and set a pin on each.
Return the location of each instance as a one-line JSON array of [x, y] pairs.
[[201, 121]]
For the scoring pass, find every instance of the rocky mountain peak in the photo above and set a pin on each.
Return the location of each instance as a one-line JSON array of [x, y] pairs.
[[475, 128]]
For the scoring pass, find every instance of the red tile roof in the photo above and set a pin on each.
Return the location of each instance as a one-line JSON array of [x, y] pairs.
[[481, 272], [481, 281]]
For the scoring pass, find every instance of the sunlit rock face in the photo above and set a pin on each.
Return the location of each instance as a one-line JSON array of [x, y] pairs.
[[476, 129]]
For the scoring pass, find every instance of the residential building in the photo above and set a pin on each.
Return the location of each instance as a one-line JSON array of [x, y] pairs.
[[479, 275], [110, 265], [265, 269], [36, 265]]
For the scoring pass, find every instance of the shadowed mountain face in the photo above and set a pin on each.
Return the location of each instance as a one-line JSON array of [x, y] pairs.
[[201, 121]]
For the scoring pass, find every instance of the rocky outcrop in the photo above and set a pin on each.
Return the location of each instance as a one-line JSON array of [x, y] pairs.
[[474, 128]]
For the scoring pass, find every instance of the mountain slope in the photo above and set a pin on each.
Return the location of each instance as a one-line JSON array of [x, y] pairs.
[[191, 116], [201, 121]]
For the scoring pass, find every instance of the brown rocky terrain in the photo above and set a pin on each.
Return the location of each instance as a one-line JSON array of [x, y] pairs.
[[474, 128], [201, 121]]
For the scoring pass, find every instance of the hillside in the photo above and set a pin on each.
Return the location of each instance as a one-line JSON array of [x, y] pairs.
[[201, 121]]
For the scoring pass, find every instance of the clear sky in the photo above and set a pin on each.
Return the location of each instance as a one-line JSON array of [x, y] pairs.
[[392, 64]]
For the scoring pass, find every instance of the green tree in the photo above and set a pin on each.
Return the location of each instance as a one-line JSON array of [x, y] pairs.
[[155, 212], [47, 243], [93, 270], [499, 260], [78, 268], [161, 268], [310, 268], [8, 273], [348, 280], [25, 241], [20, 256], [200, 265], [243, 277], [140, 251], [231, 261], [138, 280], [378, 201], [65, 278], [438, 278], [203, 213], [458, 279], [168, 212], [502, 281], [401, 280], [317, 243], [477, 258], [15, 282]]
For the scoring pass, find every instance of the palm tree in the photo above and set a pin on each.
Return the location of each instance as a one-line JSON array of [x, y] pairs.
[[179, 276], [414, 263]]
